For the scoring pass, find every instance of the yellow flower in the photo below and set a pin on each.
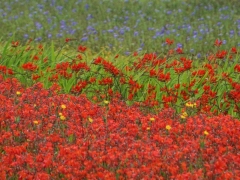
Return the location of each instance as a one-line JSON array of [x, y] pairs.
[[63, 106], [168, 127], [148, 128], [205, 133], [62, 117], [188, 104], [106, 102], [35, 122], [90, 120], [60, 114], [18, 92], [184, 115], [152, 119]]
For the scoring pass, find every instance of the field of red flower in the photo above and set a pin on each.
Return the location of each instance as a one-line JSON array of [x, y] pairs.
[[149, 117], [45, 135]]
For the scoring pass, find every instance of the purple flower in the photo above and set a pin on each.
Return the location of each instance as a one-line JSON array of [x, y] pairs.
[[71, 31], [231, 32], [90, 16], [135, 33], [199, 55], [150, 29], [38, 25], [121, 31], [59, 35], [85, 38], [110, 30], [169, 12], [86, 6], [127, 53], [74, 23], [59, 8], [26, 36], [179, 45], [38, 39]]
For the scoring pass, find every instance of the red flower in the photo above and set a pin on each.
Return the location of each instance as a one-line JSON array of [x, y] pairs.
[[218, 43], [135, 53], [234, 50], [152, 73], [221, 54], [10, 72], [82, 48], [237, 68], [164, 77], [169, 41], [35, 77], [98, 60], [179, 50], [69, 39], [29, 66], [35, 57], [177, 86], [15, 43]]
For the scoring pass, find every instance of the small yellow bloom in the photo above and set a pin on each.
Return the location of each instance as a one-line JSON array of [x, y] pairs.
[[35, 122], [205, 133], [152, 119], [168, 127], [60, 114], [106, 102], [184, 115], [63, 106], [90, 120], [188, 104], [18, 92], [62, 118], [148, 128]]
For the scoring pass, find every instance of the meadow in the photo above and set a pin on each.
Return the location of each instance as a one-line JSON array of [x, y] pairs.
[[106, 89]]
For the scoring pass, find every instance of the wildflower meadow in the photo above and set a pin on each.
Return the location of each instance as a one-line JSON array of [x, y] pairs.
[[125, 89]]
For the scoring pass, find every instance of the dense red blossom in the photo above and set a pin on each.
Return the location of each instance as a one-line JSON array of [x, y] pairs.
[[109, 141], [45, 134]]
